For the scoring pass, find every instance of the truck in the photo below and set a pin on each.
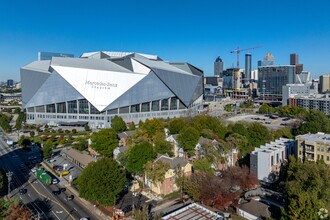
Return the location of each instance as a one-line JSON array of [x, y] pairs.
[[44, 177]]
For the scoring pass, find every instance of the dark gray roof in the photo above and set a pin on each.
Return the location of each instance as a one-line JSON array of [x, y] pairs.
[[174, 162], [255, 208], [126, 134]]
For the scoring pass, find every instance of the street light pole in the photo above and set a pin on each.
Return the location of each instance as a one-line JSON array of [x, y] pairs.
[[9, 175]]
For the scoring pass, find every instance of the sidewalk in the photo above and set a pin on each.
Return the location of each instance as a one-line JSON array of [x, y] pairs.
[[64, 183]]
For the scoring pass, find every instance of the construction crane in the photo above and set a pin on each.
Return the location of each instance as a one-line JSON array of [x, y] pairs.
[[239, 50]]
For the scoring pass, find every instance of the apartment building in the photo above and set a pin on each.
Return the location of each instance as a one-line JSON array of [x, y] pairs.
[[313, 147], [266, 161]]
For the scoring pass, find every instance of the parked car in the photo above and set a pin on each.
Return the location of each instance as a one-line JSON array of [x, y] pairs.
[[62, 189], [57, 192], [51, 160], [70, 197], [55, 181], [64, 173], [22, 191]]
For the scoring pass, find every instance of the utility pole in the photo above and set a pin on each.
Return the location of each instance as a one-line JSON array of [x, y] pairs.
[[9, 175]]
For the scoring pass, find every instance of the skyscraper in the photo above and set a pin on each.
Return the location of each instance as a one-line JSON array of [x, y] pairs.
[[218, 67], [272, 78], [248, 68], [268, 60], [294, 59]]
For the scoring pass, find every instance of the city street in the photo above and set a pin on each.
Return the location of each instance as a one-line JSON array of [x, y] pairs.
[[38, 197]]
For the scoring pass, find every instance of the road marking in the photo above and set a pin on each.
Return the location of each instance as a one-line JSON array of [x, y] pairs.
[[52, 201], [56, 215], [59, 212], [75, 209], [29, 195]]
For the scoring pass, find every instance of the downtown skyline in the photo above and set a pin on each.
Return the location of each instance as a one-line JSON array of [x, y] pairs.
[[196, 32]]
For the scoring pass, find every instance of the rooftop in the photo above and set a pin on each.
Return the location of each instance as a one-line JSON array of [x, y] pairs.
[[255, 208], [83, 158], [193, 212], [318, 137]]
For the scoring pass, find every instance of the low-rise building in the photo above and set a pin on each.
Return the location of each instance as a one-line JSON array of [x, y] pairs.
[[168, 185], [252, 210], [192, 211], [124, 137], [267, 160], [81, 159], [313, 147]]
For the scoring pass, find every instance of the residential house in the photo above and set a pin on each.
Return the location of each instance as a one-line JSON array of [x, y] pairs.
[[124, 137], [168, 185], [80, 158], [252, 210], [177, 150], [229, 158], [267, 160]]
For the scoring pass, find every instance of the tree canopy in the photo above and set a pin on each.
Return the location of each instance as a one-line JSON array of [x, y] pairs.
[[188, 139], [118, 124], [3, 180], [203, 165], [314, 122], [156, 171], [175, 125], [47, 148], [307, 189], [105, 141], [102, 181], [138, 156]]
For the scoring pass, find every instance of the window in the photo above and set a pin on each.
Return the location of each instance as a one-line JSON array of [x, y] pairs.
[[83, 106], [155, 106], [328, 158], [124, 110], [72, 107], [50, 108], [145, 107], [135, 108], [164, 105], [94, 110], [112, 111], [174, 103], [40, 109], [61, 107]]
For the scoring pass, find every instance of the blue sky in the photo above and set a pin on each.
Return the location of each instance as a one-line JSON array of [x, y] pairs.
[[181, 30]]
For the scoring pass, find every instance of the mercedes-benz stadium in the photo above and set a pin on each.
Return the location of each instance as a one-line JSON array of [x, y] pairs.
[[99, 85]]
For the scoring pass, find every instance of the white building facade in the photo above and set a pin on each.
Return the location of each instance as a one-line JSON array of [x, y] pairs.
[[266, 161]]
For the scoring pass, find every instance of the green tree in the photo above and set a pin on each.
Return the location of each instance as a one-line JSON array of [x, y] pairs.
[[138, 156], [21, 118], [3, 180], [264, 109], [151, 127], [102, 181], [131, 126], [48, 148], [4, 122], [315, 121], [156, 171], [202, 164], [188, 139], [118, 124], [4, 207], [105, 141], [201, 122], [175, 125], [258, 134], [24, 141], [80, 144], [162, 146], [306, 192]]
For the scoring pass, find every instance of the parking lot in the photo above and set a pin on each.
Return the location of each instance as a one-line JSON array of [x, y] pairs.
[[268, 121], [60, 160]]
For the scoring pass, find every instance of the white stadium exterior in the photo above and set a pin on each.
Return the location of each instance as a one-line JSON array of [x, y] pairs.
[[99, 85]]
